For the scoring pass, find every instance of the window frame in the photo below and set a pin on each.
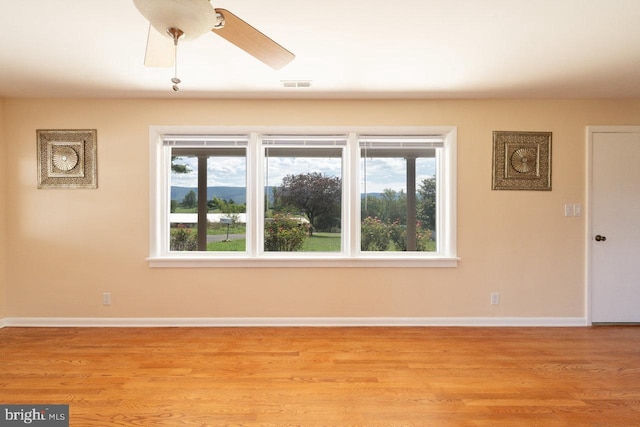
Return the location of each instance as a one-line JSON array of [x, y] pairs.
[[350, 256]]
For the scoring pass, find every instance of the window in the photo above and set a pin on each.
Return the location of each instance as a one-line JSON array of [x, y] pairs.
[[302, 197], [399, 193], [303, 193]]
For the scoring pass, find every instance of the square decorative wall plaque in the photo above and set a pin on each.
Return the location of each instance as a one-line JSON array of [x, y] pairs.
[[67, 158], [521, 160]]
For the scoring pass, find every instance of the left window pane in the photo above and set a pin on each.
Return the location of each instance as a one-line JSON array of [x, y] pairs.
[[208, 199]]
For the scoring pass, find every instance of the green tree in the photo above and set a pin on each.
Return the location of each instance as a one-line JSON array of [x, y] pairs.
[[371, 207], [394, 205], [179, 167], [314, 194], [390, 206], [226, 206], [190, 200], [427, 203]]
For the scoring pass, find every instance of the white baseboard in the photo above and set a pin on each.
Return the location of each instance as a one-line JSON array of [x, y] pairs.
[[291, 321]]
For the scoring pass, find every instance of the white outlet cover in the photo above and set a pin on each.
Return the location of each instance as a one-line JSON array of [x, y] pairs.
[[568, 210], [577, 210]]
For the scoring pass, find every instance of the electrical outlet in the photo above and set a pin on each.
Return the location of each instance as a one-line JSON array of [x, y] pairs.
[[495, 298], [106, 298]]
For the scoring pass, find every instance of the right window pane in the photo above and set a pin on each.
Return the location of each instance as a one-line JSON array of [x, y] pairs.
[[398, 194]]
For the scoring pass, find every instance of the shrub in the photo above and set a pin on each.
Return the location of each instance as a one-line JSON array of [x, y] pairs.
[[374, 235], [183, 239], [399, 236], [284, 234], [377, 235]]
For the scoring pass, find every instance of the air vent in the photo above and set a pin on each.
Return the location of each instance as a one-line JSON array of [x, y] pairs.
[[296, 83]]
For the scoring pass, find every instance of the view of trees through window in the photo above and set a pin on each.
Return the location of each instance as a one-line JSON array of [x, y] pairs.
[[399, 215], [303, 198], [222, 176]]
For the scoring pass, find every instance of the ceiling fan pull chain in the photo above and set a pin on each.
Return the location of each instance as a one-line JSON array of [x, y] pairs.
[[175, 33], [175, 80]]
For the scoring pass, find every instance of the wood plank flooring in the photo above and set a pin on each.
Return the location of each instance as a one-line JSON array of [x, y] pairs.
[[327, 376]]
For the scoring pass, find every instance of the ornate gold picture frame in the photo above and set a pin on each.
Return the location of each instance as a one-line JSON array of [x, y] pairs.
[[521, 160], [67, 158]]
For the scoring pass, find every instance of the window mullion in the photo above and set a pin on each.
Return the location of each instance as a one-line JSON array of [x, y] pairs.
[[411, 204], [352, 213], [163, 194], [255, 201], [446, 221]]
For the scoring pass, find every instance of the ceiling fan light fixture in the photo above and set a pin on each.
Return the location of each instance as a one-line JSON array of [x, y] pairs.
[[184, 20], [193, 17]]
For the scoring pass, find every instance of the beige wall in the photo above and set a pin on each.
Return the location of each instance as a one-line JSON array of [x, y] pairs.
[[3, 237], [66, 247]]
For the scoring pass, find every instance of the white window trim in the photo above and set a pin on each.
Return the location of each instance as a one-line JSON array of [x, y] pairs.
[[351, 255]]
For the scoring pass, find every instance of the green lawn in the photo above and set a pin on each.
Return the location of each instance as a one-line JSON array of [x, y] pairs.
[[217, 228], [230, 246], [322, 242], [180, 209], [319, 242]]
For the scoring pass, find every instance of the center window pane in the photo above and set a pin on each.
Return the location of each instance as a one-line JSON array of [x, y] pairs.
[[303, 199]]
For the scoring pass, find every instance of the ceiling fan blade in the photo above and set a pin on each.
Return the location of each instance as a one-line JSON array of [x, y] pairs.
[[160, 50], [252, 41]]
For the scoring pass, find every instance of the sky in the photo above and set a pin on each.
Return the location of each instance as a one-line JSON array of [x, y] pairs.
[[382, 173]]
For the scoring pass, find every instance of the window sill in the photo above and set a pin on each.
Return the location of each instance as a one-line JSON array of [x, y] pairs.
[[301, 262]]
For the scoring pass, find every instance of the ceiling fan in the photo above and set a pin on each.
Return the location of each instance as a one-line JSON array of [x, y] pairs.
[[183, 20]]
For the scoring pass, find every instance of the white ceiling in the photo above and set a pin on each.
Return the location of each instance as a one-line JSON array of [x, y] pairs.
[[347, 48]]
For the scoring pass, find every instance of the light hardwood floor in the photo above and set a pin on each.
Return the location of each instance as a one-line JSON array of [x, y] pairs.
[[327, 376]]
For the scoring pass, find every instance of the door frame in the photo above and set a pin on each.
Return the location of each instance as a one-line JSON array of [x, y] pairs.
[[591, 130]]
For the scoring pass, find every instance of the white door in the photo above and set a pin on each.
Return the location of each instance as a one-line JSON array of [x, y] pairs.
[[615, 225]]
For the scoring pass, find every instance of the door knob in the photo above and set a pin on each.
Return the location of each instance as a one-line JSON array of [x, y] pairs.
[[600, 238]]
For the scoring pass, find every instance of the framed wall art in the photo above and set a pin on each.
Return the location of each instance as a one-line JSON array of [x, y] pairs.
[[521, 160], [67, 158]]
